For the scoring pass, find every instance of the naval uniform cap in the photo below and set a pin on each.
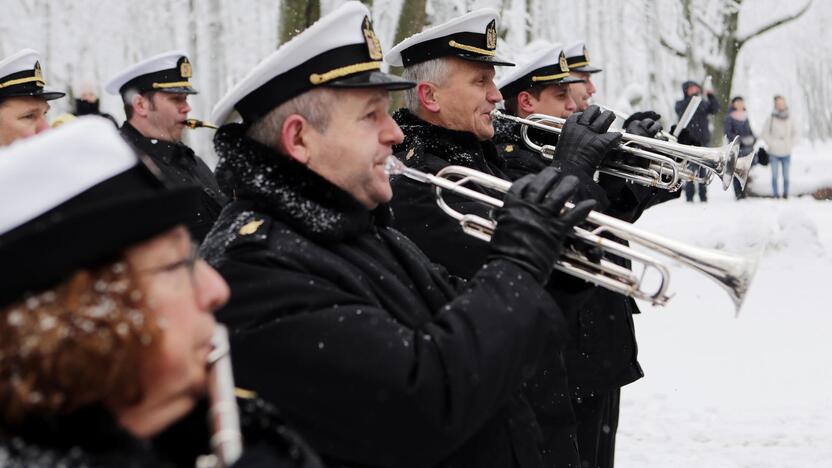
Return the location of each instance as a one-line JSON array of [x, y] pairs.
[[544, 67], [169, 72], [340, 50], [472, 36], [577, 57], [21, 75], [75, 197]]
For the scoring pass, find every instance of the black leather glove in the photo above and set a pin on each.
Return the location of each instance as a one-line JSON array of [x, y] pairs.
[[641, 116], [646, 127], [583, 143], [532, 225]]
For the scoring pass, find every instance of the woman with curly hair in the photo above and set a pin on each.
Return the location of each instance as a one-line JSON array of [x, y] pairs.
[[106, 313]]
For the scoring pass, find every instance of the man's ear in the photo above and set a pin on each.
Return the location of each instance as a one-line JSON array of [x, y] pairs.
[[427, 93], [294, 138], [526, 102], [141, 105]]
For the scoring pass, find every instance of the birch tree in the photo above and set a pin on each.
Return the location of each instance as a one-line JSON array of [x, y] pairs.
[[719, 31]]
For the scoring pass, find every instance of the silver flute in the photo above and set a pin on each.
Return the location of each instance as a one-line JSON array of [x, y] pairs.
[[224, 415]]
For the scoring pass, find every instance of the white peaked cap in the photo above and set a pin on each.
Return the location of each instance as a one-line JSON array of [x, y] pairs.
[[21, 75], [39, 173], [546, 65], [472, 36], [169, 72], [339, 50], [577, 56]]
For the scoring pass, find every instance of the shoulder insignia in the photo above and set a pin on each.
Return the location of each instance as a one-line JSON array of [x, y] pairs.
[[509, 148], [410, 154], [251, 227], [244, 394]]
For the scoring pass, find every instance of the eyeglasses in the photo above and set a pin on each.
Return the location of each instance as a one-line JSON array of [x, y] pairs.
[[188, 262]]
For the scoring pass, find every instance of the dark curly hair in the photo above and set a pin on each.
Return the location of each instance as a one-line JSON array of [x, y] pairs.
[[76, 344]]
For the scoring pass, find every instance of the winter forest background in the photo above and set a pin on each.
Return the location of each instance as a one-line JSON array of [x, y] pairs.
[[646, 47]]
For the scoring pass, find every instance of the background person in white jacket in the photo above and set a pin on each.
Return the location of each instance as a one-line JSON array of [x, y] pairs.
[[780, 135]]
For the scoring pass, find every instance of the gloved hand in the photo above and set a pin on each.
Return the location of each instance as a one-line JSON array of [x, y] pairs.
[[532, 224], [641, 116], [646, 127], [583, 143]]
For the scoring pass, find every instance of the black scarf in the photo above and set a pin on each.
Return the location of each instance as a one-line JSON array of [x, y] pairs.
[[288, 190]]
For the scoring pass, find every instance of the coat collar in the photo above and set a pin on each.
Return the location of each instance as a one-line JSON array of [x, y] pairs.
[[455, 147], [169, 152], [288, 190]]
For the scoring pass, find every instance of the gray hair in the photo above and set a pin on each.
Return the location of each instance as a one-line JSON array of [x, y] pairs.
[[314, 106], [435, 71]]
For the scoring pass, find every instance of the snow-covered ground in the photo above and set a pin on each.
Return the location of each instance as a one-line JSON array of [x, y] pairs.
[[753, 391]]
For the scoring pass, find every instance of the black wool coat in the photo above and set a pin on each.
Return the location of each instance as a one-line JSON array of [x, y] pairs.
[[180, 166], [90, 437], [430, 148], [374, 354]]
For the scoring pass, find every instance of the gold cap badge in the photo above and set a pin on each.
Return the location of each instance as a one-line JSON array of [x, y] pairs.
[[373, 44], [586, 54], [491, 35], [185, 70], [38, 75], [564, 65]]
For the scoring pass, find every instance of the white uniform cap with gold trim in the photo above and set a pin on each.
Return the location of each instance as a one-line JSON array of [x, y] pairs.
[[577, 57], [546, 65], [169, 72], [340, 50], [21, 75], [472, 36]]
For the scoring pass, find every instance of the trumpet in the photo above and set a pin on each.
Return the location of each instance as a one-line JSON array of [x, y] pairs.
[[194, 123], [732, 272], [669, 161]]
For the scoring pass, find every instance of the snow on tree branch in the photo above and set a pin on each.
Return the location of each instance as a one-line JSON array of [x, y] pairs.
[[741, 40]]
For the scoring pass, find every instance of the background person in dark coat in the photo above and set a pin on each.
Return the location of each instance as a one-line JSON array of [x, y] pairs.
[[106, 313], [738, 126], [377, 355], [155, 94], [698, 129]]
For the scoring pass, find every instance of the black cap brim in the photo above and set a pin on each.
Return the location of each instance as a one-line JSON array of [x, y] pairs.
[[586, 69], [490, 59], [180, 90], [373, 79], [45, 95], [570, 80]]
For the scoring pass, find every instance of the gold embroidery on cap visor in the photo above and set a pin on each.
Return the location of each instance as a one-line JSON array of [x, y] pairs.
[[320, 78], [373, 43], [467, 48]]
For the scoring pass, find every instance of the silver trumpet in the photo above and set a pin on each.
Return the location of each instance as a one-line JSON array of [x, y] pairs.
[[670, 162], [226, 438], [733, 273]]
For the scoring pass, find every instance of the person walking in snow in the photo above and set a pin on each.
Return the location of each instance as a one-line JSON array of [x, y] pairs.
[[738, 126], [698, 129], [780, 135]]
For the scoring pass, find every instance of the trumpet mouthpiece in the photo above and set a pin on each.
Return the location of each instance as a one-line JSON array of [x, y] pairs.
[[392, 166], [194, 123]]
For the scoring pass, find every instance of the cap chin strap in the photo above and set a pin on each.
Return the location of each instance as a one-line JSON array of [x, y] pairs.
[[472, 49], [320, 78], [18, 81], [177, 84]]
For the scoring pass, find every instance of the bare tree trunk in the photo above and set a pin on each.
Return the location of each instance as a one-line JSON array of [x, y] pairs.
[[411, 21], [297, 15]]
